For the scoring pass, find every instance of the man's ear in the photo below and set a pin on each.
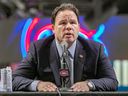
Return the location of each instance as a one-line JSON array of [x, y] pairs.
[[53, 28]]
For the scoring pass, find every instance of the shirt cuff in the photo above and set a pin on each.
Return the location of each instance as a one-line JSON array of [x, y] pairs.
[[93, 88], [33, 85]]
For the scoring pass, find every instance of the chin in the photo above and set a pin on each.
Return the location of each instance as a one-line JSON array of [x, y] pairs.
[[70, 41]]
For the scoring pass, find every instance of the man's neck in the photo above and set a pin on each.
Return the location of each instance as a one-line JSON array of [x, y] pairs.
[[71, 49], [69, 43]]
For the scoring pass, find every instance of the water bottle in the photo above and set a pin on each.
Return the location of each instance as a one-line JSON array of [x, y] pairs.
[[9, 79], [3, 80], [6, 79]]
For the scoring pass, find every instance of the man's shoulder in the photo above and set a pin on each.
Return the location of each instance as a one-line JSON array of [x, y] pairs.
[[39, 42], [43, 42], [90, 46], [88, 42]]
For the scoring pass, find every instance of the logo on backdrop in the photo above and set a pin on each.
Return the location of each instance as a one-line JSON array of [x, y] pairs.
[[33, 30]]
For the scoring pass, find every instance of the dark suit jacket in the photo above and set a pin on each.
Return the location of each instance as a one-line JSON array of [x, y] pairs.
[[42, 63]]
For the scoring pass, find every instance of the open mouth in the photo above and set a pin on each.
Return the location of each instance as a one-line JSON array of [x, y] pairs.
[[68, 35]]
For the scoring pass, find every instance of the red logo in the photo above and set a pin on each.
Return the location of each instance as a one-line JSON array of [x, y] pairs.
[[64, 72]]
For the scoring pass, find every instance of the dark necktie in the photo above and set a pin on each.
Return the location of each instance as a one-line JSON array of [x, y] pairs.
[[69, 61]]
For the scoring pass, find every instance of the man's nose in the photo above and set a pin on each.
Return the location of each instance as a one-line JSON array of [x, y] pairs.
[[68, 26]]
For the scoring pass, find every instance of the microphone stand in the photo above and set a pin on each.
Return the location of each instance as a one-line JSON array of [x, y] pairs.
[[64, 70], [64, 75]]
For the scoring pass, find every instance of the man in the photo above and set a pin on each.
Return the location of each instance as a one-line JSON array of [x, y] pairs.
[[39, 71]]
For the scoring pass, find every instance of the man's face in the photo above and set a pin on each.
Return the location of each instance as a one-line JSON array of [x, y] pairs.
[[66, 26]]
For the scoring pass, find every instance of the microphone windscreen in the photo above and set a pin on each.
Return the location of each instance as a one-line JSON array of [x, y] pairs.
[[64, 45]]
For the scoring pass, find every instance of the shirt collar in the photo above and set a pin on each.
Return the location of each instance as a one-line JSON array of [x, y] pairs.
[[71, 49]]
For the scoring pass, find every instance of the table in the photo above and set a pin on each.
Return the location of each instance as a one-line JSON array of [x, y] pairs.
[[63, 93]]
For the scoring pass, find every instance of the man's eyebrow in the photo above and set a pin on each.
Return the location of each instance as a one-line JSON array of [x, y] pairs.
[[63, 20]]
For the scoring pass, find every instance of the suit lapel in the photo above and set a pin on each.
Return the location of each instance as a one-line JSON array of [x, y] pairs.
[[54, 63], [79, 62]]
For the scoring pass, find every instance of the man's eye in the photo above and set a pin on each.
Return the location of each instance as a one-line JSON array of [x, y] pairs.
[[73, 22], [63, 23]]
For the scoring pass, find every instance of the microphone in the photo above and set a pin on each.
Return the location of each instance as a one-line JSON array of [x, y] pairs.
[[64, 46], [64, 68]]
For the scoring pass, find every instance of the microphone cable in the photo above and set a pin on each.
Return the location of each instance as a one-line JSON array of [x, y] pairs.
[[58, 92]]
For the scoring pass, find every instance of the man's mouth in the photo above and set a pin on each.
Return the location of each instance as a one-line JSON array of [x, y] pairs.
[[68, 35]]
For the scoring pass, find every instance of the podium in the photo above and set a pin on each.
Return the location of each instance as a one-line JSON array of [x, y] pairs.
[[64, 93]]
